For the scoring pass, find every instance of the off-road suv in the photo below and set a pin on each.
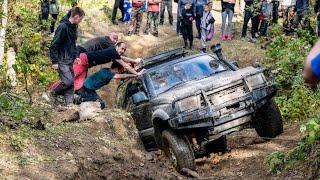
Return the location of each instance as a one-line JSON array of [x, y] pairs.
[[186, 105]]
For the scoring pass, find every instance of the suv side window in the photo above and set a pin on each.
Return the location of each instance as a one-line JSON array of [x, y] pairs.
[[134, 86]]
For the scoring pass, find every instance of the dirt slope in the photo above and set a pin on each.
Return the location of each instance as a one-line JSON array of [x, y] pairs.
[[107, 147], [104, 147]]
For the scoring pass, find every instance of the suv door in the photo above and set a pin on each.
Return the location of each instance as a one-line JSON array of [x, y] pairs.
[[141, 112], [121, 97]]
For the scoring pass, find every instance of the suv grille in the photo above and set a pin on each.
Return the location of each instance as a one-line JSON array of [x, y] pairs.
[[224, 94]]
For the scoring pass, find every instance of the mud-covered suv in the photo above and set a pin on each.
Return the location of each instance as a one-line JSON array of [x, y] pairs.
[[186, 105]]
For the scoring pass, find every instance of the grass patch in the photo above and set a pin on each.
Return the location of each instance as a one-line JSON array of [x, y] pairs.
[[296, 101]]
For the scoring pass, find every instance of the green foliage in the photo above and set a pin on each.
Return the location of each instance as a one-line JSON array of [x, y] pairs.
[[22, 160], [17, 110], [296, 101], [28, 37], [20, 138], [14, 108], [313, 129], [279, 161], [254, 8]]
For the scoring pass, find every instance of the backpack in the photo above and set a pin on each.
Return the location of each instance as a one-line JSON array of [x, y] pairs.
[[210, 27], [54, 8], [210, 32]]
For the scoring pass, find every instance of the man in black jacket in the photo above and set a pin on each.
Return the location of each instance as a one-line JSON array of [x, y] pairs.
[[63, 53]]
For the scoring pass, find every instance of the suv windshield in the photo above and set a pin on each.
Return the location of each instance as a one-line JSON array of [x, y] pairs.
[[196, 68]]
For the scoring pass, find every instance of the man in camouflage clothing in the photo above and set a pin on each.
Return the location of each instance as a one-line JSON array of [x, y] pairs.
[[153, 16], [164, 4], [136, 15]]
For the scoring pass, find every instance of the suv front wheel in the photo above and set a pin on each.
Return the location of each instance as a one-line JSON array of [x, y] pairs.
[[178, 149], [268, 120]]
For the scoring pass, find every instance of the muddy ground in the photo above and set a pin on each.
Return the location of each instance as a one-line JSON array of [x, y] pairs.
[[107, 146]]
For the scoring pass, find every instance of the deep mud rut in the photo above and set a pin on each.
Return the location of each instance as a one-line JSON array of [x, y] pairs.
[[107, 146]]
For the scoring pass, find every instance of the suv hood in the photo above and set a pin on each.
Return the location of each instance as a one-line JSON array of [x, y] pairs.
[[206, 84]]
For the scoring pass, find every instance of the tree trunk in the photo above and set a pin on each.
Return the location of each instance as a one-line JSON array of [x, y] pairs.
[[11, 61], [3, 29]]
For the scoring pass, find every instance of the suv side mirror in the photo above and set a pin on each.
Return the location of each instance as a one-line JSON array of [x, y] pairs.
[[139, 97]]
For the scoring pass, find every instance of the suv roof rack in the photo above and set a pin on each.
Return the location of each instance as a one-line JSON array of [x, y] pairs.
[[163, 57]]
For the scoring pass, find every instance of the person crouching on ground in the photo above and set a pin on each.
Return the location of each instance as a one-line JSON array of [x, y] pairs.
[[207, 26], [97, 80], [63, 53], [94, 58], [187, 16], [153, 16]]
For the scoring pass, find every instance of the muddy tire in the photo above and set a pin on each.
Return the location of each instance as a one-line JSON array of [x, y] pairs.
[[219, 145], [178, 149], [268, 120]]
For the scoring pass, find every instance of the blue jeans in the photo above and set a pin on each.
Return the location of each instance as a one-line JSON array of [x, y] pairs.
[[229, 13]]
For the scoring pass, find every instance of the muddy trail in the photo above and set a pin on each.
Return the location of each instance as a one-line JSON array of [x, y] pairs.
[[105, 144]]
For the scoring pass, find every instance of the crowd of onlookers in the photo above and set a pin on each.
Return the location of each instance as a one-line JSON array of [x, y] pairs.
[[261, 13]]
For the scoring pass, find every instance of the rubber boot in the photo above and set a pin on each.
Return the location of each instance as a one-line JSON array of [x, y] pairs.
[[191, 45], [185, 44]]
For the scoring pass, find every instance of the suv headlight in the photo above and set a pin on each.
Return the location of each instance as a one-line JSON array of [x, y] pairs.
[[255, 80], [189, 103]]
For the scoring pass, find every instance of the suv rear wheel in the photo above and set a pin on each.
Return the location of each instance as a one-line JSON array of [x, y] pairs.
[[268, 120], [178, 149]]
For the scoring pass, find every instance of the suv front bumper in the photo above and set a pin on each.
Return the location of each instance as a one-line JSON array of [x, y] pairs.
[[227, 116]]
